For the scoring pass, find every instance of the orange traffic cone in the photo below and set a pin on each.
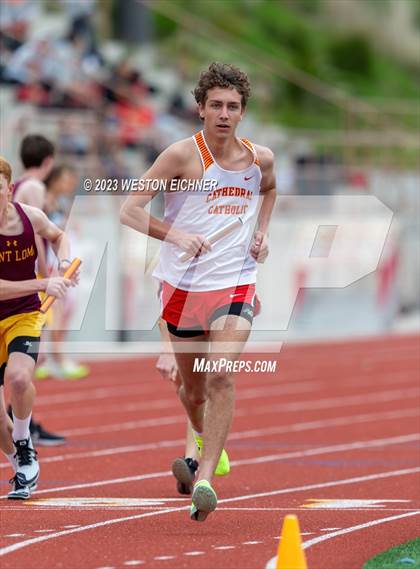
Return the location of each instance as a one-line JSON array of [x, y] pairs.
[[290, 554]]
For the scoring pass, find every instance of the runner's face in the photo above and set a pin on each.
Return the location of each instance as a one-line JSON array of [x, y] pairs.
[[222, 111]]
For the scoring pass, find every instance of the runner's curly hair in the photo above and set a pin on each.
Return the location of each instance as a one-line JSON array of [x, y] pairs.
[[225, 76]]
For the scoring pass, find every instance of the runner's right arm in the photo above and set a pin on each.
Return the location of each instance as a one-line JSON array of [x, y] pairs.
[[169, 165], [56, 286]]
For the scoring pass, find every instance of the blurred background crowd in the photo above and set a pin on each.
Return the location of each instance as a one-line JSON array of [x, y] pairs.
[[335, 95]]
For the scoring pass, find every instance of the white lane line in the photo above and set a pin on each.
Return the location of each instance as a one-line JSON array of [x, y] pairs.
[[291, 508], [332, 402], [326, 403], [295, 386], [295, 427], [126, 426], [329, 529], [251, 542], [98, 393], [163, 557], [133, 562], [129, 425], [344, 481], [44, 530], [34, 507], [136, 388], [15, 535], [35, 540], [344, 531], [194, 553], [359, 445], [271, 564], [251, 393], [380, 475], [224, 547]]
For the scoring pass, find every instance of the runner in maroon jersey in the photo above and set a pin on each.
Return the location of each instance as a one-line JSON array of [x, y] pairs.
[[21, 323], [37, 157]]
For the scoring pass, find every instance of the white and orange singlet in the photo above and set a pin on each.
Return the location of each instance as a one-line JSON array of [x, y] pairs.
[[233, 194]]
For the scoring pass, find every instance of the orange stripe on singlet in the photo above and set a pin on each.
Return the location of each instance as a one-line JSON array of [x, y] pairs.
[[204, 151], [249, 145]]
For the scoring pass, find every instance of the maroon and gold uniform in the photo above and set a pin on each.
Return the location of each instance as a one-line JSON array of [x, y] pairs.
[[20, 320]]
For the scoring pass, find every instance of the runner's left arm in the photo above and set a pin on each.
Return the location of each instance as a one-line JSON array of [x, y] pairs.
[[56, 237], [259, 249]]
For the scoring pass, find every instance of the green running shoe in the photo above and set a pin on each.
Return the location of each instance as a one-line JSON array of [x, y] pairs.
[[223, 466], [204, 501]]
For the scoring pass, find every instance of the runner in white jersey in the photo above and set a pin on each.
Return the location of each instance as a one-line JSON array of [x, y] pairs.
[[234, 195], [208, 298]]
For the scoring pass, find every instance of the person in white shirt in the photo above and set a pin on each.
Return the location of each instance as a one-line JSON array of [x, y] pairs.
[[208, 283]]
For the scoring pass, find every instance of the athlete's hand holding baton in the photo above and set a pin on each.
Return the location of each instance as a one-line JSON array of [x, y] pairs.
[[214, 237], [57, 286]]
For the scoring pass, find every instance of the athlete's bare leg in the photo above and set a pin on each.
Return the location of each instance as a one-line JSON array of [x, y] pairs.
[[228, 336], [191, 450], [192, 392], [6, 427], [19, 374]]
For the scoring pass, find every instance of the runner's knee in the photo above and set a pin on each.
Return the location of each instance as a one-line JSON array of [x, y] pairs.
[[195, 398], [18, 379], [219, 381]]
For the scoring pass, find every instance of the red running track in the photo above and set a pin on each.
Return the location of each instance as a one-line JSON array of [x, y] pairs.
[[331, 436]]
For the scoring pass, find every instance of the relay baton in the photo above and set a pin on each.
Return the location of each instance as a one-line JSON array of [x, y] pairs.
[[75, 264], [217, 235]]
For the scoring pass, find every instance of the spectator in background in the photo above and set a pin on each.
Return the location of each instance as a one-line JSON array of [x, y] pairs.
[[130, 105], [73, 137], [61, 185], [16, 17], [54, 72], [80, 15]]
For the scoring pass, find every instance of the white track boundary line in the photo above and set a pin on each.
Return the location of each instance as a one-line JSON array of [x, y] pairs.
[[145, 386], [317, 486], [400, 379], [33, 541], [272, 563], [268, 458], [253, 433], [309, 404]]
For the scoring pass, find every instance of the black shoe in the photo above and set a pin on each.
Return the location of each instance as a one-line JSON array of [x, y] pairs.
[[20, 491], [41, 437], [184, 470]]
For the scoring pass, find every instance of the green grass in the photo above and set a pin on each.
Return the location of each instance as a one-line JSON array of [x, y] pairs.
[[265, 36], [278, 34], [397, 557]]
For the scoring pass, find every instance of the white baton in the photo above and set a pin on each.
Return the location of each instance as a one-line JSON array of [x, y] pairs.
[[217, 235]]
